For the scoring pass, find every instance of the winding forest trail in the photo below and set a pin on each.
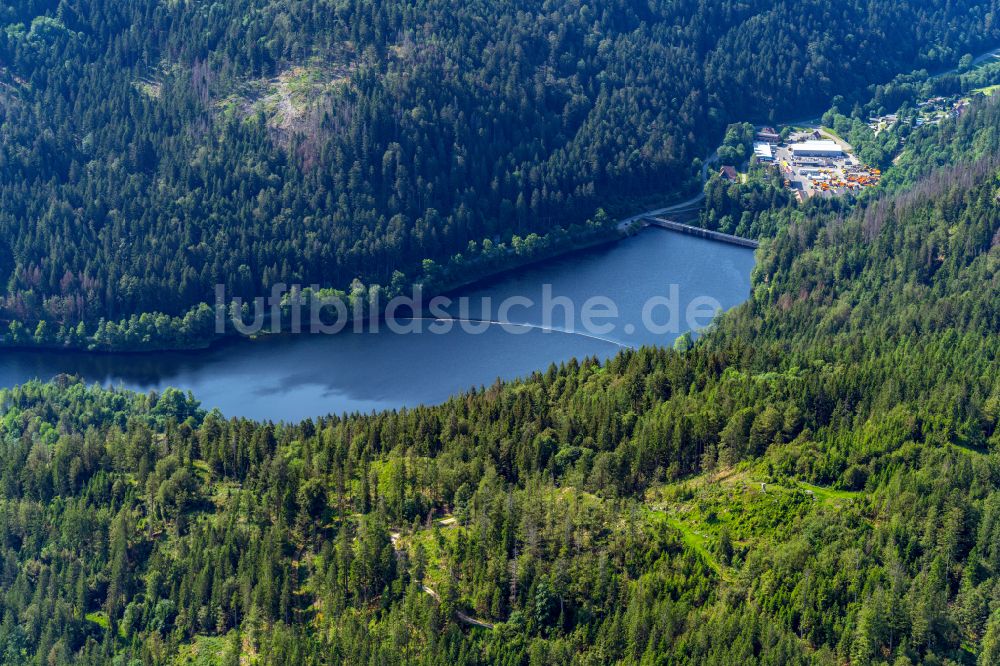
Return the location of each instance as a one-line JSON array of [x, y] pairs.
[[396, 536], [462, 617]]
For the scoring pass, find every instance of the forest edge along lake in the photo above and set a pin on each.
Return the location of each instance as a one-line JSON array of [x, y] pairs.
[[282, 377], [288, 378]]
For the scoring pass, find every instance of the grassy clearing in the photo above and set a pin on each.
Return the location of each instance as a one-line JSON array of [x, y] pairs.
[[151, 89], [969, 451], [100, 618], [436, 543], [828, 131], [831, 133], [202, 469], [829, 494], [699, 544], [290, 100], [203, 651], [735, 504]]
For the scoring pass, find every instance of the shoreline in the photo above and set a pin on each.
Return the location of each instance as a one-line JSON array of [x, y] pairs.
[[613, 236], [615, 232]]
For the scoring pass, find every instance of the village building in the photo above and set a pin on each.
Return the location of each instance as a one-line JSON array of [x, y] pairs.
[[762, 151], [768, 135], [816, 148]]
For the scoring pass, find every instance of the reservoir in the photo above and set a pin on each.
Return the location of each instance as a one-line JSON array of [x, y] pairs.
[[652, 282]]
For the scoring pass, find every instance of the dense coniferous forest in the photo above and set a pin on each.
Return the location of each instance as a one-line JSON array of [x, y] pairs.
[[151, 150], [814, 482]]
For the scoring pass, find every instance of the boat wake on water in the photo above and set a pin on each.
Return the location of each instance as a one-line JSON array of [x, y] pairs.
[[517, 324]]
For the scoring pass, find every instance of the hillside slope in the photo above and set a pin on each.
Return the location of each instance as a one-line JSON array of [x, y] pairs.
[[814, 482], [152, 150]]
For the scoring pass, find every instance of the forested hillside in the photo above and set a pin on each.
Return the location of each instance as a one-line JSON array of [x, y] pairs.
[[813, 482], [150, 150]]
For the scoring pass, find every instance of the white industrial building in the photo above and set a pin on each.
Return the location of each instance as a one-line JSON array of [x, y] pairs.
[[762, 151], [817, 148]]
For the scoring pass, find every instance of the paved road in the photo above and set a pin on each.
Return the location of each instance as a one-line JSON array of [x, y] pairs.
[[683, 205], [992, 55], [989, 55]]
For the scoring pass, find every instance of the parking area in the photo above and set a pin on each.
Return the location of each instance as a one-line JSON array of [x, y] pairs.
[[818, 175]]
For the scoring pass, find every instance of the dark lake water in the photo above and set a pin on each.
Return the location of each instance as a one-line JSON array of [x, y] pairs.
[[290, 378]]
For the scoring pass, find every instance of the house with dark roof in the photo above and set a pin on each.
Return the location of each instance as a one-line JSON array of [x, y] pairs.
[[768, 135]]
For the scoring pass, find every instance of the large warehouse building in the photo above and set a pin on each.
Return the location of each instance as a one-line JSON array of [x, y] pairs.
[[821, 148], [762, 151]]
